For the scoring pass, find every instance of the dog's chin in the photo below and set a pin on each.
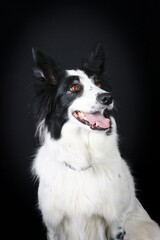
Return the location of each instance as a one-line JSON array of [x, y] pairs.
[[95, 121]]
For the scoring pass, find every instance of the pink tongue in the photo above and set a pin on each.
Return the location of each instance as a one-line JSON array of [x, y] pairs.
[[98, 119]]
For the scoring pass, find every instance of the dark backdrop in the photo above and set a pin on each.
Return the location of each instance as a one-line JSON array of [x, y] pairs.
[[129, 31]]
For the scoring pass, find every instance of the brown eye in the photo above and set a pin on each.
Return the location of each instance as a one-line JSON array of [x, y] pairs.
[[98, 84], [75, 88]]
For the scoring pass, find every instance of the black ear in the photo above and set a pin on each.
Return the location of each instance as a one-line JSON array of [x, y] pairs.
[[94, 63], [45, 67]]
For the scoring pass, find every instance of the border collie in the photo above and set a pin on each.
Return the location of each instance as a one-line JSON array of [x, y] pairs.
[[86, 190]]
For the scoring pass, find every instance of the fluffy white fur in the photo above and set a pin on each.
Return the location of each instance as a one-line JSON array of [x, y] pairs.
[[98, 195]]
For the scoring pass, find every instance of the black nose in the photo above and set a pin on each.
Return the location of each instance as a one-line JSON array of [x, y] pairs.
[[105, 98]]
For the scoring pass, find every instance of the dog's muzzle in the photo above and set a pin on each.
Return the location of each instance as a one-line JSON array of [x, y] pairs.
[[105, 98]]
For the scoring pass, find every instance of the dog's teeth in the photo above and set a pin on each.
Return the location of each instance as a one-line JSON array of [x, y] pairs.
[[81, 115], [97, 125]]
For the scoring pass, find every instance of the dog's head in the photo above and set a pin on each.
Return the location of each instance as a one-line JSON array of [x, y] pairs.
[[81, 96]]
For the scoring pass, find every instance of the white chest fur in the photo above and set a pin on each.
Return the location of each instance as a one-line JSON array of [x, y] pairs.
[[93, 186]]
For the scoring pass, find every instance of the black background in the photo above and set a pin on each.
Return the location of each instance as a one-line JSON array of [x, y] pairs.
[[130, 33]]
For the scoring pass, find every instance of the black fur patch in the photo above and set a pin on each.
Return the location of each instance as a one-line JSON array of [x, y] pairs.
[[51, 103], [58, 115], [94, 66], [94, 63]]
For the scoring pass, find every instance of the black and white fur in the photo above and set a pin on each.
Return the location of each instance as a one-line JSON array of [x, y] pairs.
[[86, 190]]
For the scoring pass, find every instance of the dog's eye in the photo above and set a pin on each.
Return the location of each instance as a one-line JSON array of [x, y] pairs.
[[75, 88], [98, 84]]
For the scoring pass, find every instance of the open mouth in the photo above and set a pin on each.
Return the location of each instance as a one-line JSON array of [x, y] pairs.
[[96, 120]]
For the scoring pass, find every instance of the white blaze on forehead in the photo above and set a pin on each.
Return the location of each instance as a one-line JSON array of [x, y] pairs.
[[71, 72], [87, 82], [84, 79], [78, 73]]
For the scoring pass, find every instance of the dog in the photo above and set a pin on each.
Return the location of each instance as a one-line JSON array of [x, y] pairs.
[[86, 190]]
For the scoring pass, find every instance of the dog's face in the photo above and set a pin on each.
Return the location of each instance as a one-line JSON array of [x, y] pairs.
[[91, 107], [81, 96]]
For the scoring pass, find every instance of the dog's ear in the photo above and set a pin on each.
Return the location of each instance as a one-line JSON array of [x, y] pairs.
[[94, 63], [45, 67], [47, 74]]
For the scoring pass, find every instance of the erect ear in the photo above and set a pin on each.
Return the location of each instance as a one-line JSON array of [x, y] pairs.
[[45, 67], [94, 63]]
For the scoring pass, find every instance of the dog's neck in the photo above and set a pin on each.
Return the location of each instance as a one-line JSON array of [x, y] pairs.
[[79, 170], [75, 136], [79, 149]]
